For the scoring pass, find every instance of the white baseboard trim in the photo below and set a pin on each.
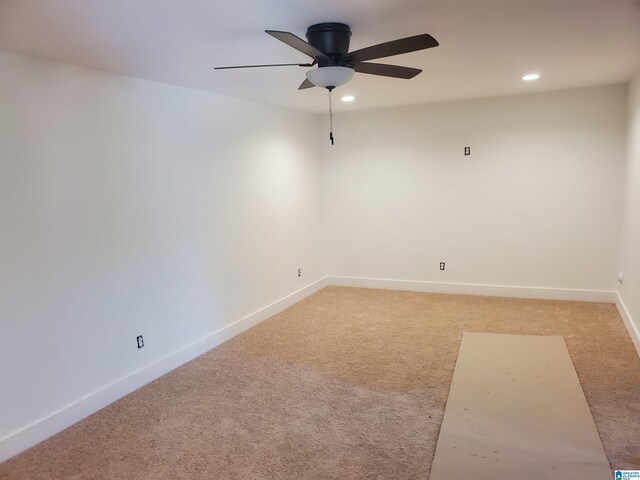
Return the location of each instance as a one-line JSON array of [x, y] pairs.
[[634, 329], [44, 428], [601, 296]]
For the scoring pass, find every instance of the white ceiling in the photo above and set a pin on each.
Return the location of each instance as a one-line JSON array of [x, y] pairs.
[[485, 45]]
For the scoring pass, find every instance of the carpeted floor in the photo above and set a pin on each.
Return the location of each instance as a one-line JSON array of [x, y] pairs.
[[347, 384]]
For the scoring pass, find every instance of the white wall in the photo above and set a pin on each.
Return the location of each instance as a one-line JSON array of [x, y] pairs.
[[630, 265], [537, 204], [131, 207]]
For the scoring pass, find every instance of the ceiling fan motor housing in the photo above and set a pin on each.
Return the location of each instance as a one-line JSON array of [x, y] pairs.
[[332, 39]]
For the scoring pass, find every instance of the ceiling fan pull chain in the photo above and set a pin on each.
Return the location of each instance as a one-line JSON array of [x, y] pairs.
[[330, 116]]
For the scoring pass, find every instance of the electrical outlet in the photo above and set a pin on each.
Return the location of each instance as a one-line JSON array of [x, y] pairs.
[[467, 151], [299, 272], [140, 341], [441, 265]]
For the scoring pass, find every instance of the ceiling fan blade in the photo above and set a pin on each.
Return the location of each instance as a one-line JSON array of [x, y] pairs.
[[268, 65], [386, 70], [394, 47], [297, 43], [306, 84]]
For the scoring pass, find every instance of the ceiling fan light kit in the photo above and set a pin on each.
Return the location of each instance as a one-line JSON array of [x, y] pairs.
[[328, 46], [330, 77]]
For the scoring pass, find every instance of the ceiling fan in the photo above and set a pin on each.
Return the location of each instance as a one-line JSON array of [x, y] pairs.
[[328, 47]]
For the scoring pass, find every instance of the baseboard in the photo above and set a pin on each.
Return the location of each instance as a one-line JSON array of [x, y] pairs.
[[602, 296], [632, 326], [44, 428]]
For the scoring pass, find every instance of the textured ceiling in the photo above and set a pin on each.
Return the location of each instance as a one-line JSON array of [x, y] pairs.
[[485, 45]]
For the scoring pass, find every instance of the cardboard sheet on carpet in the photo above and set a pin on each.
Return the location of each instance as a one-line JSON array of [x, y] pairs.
[[516, 410]]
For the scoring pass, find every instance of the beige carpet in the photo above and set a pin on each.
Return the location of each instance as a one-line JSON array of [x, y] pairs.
[[348, 383]]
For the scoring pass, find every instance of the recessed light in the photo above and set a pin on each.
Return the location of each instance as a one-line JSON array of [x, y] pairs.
[[348, 98], [531, 76]]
